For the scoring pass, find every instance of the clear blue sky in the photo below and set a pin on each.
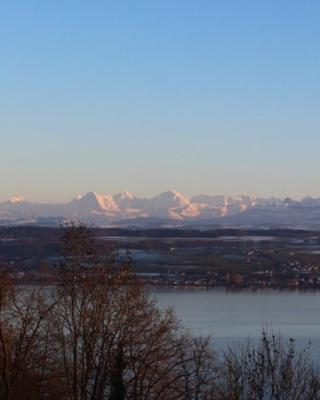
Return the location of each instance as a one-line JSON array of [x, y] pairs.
[[198, 96]]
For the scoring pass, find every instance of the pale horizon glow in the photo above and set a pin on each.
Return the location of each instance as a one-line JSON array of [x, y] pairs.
[[199, 97]]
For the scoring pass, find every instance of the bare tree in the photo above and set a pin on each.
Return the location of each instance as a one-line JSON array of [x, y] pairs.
[[113, 342], [199, 369], [25, 353], [271, 370]]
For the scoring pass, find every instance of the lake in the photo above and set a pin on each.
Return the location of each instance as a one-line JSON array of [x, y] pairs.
[[231, 317]]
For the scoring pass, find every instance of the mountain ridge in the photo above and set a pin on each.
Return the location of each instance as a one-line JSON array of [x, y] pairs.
[[104, 209]]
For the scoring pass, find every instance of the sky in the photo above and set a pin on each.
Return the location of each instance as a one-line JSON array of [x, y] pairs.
[[198, 96]]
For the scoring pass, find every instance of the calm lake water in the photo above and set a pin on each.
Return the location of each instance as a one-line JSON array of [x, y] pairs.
[[230, 317]]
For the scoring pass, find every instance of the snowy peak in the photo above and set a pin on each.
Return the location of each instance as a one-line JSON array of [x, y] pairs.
[[91, 200], [170, 199], [96, 202], [124, 196], [125, 200], [102, 209], [170, 204], [16, 199]]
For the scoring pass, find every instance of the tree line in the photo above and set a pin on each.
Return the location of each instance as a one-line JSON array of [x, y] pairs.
[[94, 334]]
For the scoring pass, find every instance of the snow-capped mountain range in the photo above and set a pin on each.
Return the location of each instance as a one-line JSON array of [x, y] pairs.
[[168, 207]]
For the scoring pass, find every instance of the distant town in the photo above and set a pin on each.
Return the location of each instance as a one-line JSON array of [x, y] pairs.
[[230, 258]]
